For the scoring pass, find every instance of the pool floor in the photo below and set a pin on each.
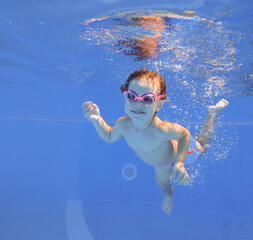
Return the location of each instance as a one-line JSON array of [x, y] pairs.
[[117, 221]]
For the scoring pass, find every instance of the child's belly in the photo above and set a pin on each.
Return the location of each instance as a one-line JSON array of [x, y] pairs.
[[163, 155]]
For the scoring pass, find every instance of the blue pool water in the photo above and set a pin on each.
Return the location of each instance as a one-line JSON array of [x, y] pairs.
[[59, 180]]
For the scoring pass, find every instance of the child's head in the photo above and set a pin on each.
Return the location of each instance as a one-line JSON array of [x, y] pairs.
[[146, 75], [140, 83]]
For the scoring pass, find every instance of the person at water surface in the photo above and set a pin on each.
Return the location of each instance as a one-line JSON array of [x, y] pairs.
[[144, 47], [164, 145]]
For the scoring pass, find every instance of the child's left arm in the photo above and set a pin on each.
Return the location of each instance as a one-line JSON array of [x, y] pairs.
[[182, 135]]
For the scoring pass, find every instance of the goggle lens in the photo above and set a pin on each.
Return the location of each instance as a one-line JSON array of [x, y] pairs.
[[132, 97], [148, 99]]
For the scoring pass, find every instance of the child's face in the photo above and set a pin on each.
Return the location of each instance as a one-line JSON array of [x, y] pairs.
[[138, 110]]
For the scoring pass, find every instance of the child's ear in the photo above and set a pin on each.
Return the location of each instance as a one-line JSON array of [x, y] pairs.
[[159, 105]]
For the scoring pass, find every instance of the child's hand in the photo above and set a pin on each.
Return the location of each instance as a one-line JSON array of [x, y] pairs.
[[91, 111], [181, 173]]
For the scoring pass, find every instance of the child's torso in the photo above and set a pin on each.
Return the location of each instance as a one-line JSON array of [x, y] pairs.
[[149, 147]]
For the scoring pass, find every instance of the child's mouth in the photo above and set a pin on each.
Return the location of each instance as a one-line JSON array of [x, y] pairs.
[[137, 112]]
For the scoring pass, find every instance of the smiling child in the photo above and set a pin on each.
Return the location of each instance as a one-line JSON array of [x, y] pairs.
[[164, 145]]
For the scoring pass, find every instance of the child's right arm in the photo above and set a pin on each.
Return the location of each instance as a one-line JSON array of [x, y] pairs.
[[107, 133]]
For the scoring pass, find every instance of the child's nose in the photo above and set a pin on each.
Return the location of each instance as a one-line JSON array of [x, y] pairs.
[[138, 102]]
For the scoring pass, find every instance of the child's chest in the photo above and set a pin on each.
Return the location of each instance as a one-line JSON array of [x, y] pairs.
[[144, 141]]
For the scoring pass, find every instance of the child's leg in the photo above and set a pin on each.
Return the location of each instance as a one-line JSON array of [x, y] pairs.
[[163, 179], [207, 131]]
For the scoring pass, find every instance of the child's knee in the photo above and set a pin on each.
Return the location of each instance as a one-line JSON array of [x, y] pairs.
[[163, 182], [163, 176]]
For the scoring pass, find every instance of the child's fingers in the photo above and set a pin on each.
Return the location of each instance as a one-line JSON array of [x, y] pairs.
[[87, 110], [178, 180], [185, 179], [180, 177], [94, 105], [90, 109], [174, 173], [90, 105], [86, 104]]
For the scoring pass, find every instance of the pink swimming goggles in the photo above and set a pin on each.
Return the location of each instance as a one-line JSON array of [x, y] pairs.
[[147, 98]]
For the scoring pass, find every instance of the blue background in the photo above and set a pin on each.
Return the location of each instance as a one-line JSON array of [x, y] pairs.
[[51, 155]]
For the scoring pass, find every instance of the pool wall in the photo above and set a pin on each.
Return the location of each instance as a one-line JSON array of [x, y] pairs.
[[46, 160]]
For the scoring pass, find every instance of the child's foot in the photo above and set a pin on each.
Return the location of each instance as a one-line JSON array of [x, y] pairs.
[[218, 107], [167, 203]]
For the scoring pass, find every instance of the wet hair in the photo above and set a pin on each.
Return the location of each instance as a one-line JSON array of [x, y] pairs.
[[152, 75]]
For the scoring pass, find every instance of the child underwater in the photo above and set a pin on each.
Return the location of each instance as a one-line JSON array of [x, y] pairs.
[[164, 145]]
